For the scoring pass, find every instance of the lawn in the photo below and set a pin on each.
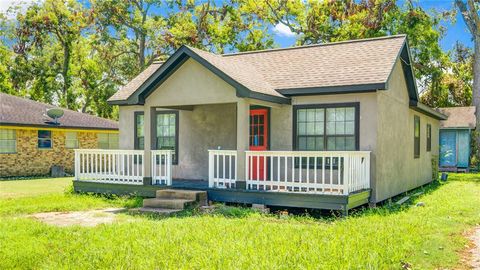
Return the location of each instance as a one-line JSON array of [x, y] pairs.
[[388, 237], [33, 187]]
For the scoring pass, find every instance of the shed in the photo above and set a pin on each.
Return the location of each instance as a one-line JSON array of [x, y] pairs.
[[455, 138]]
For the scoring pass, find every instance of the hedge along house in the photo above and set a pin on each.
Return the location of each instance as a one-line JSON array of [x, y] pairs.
[[455, 138], [31, 143], [322, 126]]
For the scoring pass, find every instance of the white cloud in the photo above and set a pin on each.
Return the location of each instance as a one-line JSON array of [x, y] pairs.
[[283, 30], [6, 4]]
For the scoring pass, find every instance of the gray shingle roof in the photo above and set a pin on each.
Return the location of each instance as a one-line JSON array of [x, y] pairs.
[[348, 63], [458, 117], [25, 112]]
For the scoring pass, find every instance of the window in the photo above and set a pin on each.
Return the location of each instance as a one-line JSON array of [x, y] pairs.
[[71, 140], [107, 141], [326, 127], [139, 133], [167, 132], [8, 141], [45, 139], [429, 138], [416, 137]]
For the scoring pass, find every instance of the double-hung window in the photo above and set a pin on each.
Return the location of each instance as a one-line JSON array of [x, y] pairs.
[[71, 140], [429, 137], [416, 136], [45, 139], [331, 127], [107, 140], [8, 141], [139, 131], [167, 132]]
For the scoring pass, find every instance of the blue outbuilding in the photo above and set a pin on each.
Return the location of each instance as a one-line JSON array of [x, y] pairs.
[[455, 138]]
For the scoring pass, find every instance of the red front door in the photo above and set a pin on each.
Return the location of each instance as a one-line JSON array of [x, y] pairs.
[[258, 141]]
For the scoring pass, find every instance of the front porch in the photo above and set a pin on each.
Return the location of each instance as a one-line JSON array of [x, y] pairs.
[[337, 180]]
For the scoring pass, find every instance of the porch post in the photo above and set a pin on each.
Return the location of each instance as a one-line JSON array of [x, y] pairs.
[[243, 118], [149, 130]]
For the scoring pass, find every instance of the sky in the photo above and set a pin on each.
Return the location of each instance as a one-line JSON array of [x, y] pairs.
[[284, 38]]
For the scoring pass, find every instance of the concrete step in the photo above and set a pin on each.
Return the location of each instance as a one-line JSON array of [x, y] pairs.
[[167, 203], [199, 196], [159, 211]]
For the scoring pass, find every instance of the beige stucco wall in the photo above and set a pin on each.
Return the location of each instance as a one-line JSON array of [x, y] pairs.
[[398, 170], [30, 160], [126, 124]]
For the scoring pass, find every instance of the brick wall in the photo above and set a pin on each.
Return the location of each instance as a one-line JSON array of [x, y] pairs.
[[29, 160]]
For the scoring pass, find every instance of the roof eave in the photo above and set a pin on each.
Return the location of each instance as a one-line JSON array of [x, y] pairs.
[[422, 108], [55, 126], [328, 90]]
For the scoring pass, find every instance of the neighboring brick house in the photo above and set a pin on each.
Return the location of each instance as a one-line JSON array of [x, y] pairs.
[[31, 143]]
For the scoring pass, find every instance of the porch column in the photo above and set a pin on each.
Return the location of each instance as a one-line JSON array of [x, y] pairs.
[[243, 119], [149, 130]]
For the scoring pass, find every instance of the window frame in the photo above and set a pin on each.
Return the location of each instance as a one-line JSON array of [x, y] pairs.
[[355, 105], [136, 144], [155, 135], [38, 140], [14, 140], [416, 140], [429, 137], [77, 143]]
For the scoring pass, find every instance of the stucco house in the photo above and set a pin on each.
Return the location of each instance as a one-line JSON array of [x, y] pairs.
[[31, 142], [328, 126]]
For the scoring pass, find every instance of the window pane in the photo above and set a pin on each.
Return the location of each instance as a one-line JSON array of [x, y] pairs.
[[330, 143], [302, 143], [311, 128], [7, 134], [310, 115], [7, 146], [140, 123], [349, 127], [350, 114], [330, 128], [319, 143], [302, 115], [340, 143], [44, 143], [311, 143], [340, 114], [319, 115], [350, 143], [330, 114], [340, 128], [319, 128], [45, 134], [302, 129]]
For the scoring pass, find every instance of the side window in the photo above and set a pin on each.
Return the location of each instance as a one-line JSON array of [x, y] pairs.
[[429, 138], [416, 137], [167, 132], [139, 131], [45, 139], [71, 140], [107, 140], [8, 141]]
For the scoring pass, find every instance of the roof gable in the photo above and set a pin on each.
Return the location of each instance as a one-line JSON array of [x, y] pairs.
[[343, 67], [459, 117]]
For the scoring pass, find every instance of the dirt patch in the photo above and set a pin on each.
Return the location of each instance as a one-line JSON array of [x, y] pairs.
[[82, 218], [471, 254]]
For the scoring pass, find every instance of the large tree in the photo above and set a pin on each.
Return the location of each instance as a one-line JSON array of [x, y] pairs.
[[470, 12]]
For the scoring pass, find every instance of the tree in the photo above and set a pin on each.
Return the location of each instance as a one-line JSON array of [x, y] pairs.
[[470, 13]]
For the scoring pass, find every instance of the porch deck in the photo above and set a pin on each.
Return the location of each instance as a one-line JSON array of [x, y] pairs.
[[314, 201]]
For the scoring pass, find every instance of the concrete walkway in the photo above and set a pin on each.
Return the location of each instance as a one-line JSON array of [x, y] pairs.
[[90, 218]]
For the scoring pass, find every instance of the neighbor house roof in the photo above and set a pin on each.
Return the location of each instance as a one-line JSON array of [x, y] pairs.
[[17, 111], [458, 117], [274, 75]]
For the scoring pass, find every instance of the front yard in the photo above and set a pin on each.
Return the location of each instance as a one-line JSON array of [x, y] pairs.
[[388, 237]]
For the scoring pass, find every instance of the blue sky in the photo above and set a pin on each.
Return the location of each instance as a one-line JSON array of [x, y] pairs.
[[455, 30]]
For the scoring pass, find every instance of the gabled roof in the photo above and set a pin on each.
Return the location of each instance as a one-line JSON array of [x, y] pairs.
[[17, 111], [275, 74], [459, 117]]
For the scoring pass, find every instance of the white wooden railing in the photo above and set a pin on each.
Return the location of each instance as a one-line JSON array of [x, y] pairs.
[[321, 172], [162, 167], [222, 168], [110, 166]]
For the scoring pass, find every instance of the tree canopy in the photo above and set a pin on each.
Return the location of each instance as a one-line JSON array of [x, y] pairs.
[[77, 54]]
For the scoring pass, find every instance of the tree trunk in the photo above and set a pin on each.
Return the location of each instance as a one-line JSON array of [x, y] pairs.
[[476, 89], [141, 52], [66, 78]]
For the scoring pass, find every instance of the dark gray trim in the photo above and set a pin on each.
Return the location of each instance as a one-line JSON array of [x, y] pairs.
[[424, 109], [428, 136], [135, 135], [53, 126], [177, 129], [327, 90], [356, 105], [174, 62]]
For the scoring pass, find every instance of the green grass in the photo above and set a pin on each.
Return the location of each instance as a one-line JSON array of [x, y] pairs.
[[426, 237], [10, 189]]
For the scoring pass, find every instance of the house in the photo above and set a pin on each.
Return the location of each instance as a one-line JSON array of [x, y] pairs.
[[329, 126], [31, 142], [455, 138]]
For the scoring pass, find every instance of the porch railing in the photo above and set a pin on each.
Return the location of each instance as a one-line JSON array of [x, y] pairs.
[[222, 168], [110, 166], [162, 167], [324, 172]]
